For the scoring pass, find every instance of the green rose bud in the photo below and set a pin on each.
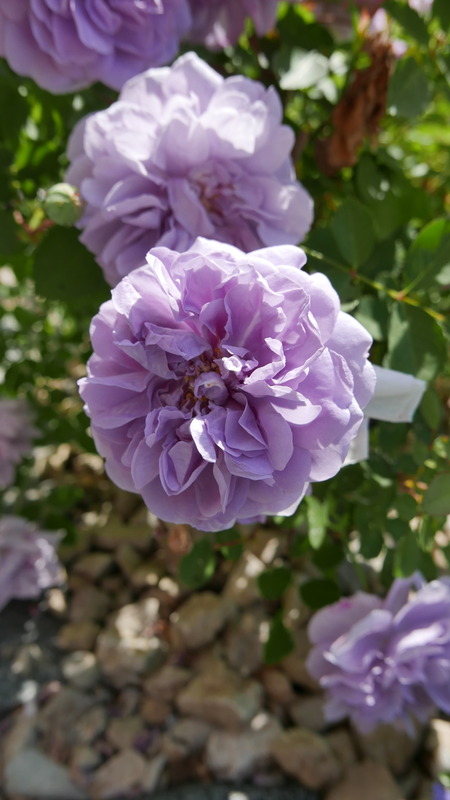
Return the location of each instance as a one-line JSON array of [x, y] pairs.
[[63, 204]]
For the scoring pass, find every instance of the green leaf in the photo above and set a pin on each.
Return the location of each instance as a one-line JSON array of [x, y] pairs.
[[231, 544], [407, 556], [436, 500], [319, 592], [409, 93], [10, 243], [412, 23], [328, 556], [371, 542], [428, 259], [317, 515], [279, 643], [65, 270], [353, 230], [272, 583], [406, 506], [416, 343], [373, 314], [430, 408], [197, 567], [441, 10]]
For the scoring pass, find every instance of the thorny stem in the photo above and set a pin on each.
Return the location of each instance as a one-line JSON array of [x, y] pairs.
[[399, 296]]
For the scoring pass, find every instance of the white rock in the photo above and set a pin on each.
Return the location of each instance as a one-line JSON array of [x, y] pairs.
[[236, 756]]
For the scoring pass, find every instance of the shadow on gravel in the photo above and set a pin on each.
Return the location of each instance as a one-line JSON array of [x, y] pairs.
[[28, 656]]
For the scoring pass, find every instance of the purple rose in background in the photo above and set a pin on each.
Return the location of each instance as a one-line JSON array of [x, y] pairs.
[[385, 660], [220, 23], [67, 45], [16, 436], [28, 561], [222, 383], [421, 6], [186, 153], [440, 792]]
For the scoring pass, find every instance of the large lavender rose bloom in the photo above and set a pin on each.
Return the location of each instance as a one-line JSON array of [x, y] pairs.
[[219, 23], [385, 660], [222, 383], [66, 45], [186, 153], [16, 436], [28, 561]]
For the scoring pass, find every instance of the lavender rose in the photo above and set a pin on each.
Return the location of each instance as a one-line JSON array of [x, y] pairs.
[[16, 436], [68, 45], [28, 561], [222, 383], [219, 23], [385, 660], [186, 153]]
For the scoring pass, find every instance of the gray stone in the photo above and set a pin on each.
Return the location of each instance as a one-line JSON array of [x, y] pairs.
[[342, 746], [31, 773], [370, 780], [123, 732], [89, 603], [121, 774], [307, 757], [78, 635], [90, 725], [93, 566], [244, 641], [81, 669], [124, 660], [294, 664], [200, 618], [153, 773], [393, 748], [242, 582], [184, 738], [167, 682], [221, 697], [308, 712]]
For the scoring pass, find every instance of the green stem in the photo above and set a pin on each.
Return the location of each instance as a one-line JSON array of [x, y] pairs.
[[398, 296]]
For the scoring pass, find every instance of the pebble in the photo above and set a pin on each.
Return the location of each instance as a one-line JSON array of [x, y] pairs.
[[81, 669], [121, 775], [307, 757], [221, 697], [200, 618], [93, 566], [236, 756], [368, 780], [78, 635]]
